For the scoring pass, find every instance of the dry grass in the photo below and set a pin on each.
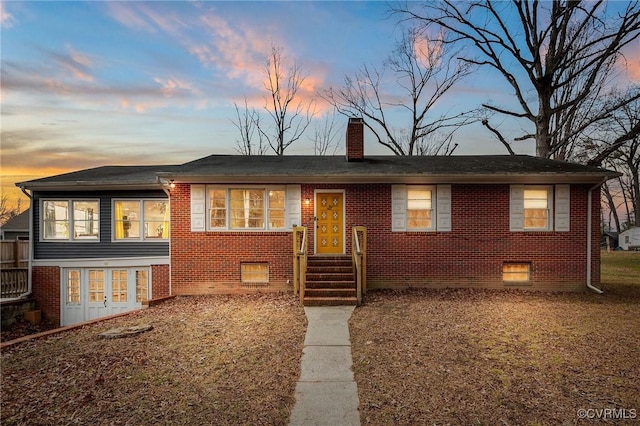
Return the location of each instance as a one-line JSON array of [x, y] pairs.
[[483, 357], [420, 357], [208, 360]]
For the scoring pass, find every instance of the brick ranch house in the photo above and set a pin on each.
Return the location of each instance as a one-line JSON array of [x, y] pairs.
[[109, 238]]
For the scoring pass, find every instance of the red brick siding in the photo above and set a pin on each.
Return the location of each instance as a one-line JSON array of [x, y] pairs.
[[46, 291], [209, 262], [471, 255], [355, 140], [160, 281]]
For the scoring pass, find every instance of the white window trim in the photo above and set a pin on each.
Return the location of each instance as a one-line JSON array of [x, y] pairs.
[[227, 189], [516, 208], [434, 207], [71, 239], [550, 193], [142, 237], [440, 208]]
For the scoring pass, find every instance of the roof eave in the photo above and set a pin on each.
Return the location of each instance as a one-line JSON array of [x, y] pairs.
[[87, 186], [536, 178]]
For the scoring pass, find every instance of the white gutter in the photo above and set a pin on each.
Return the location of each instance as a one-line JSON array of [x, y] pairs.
[[167, 191], [589, 219], [31, 238]]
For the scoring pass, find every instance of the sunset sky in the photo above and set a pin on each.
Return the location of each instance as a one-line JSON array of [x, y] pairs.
[[86, 84]]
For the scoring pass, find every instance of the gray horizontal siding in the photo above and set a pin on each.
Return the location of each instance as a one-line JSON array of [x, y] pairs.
[[105, 247]]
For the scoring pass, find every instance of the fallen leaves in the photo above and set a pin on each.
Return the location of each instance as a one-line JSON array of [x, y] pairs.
[[208, 360], [493, 357]]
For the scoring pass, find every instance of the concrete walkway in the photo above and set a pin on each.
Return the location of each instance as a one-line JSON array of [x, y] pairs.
[[326, 393]]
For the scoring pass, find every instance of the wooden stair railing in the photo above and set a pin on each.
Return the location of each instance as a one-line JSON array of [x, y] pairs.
[[359, 258], [299, 260]]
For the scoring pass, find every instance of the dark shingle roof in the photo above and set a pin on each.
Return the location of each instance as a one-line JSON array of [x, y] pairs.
[[18, 223], [384, 168], [318, 169], [116, 176]]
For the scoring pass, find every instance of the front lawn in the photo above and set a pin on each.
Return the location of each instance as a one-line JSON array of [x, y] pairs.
[[469, 357], [477, 357], [208, 360]]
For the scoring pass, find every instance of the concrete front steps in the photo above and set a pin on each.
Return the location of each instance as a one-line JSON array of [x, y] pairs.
[[330, 281]]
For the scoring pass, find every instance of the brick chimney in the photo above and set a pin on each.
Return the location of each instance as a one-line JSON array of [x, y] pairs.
[[355, 139]]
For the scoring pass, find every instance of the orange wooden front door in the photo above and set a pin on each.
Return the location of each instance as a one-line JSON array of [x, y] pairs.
[[330, 223]]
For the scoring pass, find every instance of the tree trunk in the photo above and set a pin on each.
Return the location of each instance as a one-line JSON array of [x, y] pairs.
[[612, 205], [543, 133], [635, 202]]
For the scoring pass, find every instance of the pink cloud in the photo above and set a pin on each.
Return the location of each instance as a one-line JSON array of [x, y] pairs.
[[238, 51], [229, 47], [171, 86], [6, 19], [127, 14], [632, 62], [78, 64]]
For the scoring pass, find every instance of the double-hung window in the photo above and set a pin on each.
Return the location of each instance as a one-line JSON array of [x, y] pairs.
[[532, 207], [417, 208], [537, 207], [543, 208], [246, 208], [141, 220], [74, 220]]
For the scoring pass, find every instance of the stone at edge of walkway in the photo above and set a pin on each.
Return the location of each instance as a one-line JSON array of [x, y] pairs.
[[116, 333]]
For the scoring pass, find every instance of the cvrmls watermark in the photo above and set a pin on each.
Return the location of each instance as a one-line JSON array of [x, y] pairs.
[[608, 413]]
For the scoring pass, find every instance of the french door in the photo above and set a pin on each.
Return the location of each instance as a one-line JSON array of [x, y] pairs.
[[89, 293]]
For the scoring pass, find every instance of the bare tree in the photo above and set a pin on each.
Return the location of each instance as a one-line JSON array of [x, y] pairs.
[[247, 122], [289, 115], [615, 143], [325, 135], [622, 126], [423, 71], [8, 212], [610, 195], [627, 157], [561, 52]]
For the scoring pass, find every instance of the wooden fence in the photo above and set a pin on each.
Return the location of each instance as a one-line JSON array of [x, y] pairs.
[[14, 272]]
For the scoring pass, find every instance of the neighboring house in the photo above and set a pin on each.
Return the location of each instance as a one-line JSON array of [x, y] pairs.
[[609, 239], [16, 228], [446, 221], [630, 239]]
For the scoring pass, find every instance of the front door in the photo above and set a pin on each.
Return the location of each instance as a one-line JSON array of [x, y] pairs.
[[330, 223]]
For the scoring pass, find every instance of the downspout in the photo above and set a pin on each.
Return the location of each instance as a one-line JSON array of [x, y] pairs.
[[31, 237], [168, 192], [589, 221]]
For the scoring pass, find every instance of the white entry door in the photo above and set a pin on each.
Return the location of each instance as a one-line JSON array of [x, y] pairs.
[[121, 295], [96, 304], [89, 293]]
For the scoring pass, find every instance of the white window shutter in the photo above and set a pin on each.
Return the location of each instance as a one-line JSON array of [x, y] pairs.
[[562, 207], [516, 208], [398, 208], [293, 206], [443, 208], [198, 204]]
